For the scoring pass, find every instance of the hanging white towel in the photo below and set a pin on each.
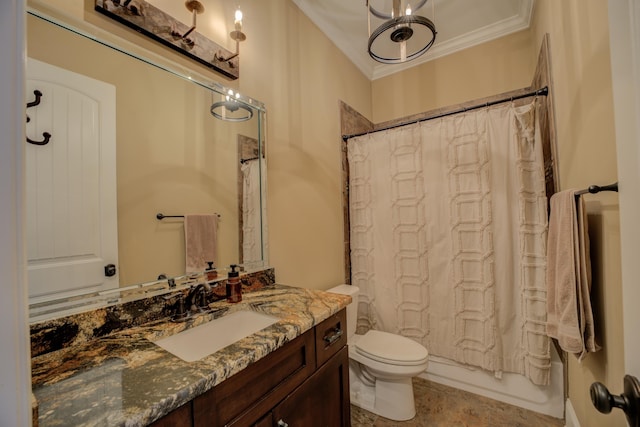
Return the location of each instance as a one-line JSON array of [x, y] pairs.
[[200, 238], [569, 313]]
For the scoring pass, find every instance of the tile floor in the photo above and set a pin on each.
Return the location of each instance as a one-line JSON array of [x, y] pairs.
[[441, 406]]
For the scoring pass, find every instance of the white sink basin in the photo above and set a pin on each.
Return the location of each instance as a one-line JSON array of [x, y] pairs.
[[196, 343]]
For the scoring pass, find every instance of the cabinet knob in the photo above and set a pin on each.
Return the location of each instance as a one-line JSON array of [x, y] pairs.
[[281, 423]]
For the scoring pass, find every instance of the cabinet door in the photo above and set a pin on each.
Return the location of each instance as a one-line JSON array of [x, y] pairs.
[[181, 417], [322, 400]]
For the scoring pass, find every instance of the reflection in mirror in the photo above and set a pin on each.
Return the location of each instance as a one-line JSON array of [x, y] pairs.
[[169, 155]]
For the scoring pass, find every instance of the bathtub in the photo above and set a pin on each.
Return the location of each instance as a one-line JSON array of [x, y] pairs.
[[512, 388]]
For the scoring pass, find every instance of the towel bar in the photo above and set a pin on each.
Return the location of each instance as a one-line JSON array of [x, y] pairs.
[[161, 216], [593, 189]]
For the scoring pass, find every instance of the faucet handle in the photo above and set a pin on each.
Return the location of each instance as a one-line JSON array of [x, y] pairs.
[[181, 312]]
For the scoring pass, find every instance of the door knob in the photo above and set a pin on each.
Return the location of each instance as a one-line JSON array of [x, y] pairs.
[[282, 424], [629, 401], [110, 270]]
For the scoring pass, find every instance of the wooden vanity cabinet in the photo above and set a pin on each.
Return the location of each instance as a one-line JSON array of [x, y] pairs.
[[183, 416], [322, 400], [252, 392], [304, 383]]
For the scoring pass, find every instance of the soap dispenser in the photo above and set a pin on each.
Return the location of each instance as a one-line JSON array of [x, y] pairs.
[[210, 273], [234, 286]]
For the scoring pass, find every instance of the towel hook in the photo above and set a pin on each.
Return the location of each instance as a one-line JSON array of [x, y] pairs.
[[35, 102], [45, 141], [45, 135]]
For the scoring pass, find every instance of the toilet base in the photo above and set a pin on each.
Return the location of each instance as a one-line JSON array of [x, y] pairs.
[[392, 399]]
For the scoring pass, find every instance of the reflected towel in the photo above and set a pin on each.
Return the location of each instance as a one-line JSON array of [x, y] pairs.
[[200, 238], [569, 314]]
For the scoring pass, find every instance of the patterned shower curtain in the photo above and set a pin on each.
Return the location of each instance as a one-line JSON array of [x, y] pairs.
[[448, 237]]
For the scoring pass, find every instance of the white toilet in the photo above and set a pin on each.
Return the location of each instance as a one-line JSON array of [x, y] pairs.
[[381, 366]]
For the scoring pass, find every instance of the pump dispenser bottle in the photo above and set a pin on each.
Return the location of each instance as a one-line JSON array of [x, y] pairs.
[[211, 272], [234, 286]]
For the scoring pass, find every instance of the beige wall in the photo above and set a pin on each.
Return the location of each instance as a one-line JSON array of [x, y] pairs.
[[498, 66], [579, 41], [301, 76]]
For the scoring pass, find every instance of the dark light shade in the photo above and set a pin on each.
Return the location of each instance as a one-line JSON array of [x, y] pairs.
[[231, 111], [417, 33]]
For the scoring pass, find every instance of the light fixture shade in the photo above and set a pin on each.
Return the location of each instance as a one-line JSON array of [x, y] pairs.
[[400, 38]]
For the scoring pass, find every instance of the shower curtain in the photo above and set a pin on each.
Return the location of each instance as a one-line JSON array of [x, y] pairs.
[[253, 211], [448, 223]]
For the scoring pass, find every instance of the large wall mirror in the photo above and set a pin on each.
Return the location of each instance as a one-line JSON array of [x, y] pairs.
[[171, 156]]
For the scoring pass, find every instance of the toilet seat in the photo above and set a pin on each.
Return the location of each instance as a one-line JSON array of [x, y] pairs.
[[391, 349]]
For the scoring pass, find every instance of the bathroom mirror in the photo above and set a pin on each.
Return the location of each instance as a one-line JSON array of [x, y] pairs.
[[174, 155]]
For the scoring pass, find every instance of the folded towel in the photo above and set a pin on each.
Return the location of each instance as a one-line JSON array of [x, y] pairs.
[[584, 292], [569, 314], [200, 238]]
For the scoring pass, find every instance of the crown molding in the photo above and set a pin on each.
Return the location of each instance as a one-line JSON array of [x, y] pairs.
[[372, 70]]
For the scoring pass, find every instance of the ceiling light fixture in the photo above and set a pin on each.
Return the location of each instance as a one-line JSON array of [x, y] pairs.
[[402, 36]]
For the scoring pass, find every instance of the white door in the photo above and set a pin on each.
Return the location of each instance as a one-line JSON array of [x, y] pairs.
[[624, 24], [70, 183]]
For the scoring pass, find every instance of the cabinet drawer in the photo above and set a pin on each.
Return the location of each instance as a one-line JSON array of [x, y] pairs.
[[252, 392], [331, 336]]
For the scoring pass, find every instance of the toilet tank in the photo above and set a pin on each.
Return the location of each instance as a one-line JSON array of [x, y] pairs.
[[352, 309]]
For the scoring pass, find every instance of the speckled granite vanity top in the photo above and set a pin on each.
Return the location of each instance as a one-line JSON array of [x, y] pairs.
[[125, 379]]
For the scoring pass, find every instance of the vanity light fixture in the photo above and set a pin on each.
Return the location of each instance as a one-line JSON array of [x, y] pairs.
[[403, 36], [230, 109], [182, 37], [236, 35]]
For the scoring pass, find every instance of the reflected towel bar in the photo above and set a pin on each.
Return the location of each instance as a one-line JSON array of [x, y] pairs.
[[161, 216], [593, 189], [243, 161]]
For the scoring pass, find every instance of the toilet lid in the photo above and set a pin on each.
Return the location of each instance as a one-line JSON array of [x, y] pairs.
[[390, 348]]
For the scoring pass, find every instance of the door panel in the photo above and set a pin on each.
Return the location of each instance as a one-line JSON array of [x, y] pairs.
[[624, 26], [71, 188], [322, 400]]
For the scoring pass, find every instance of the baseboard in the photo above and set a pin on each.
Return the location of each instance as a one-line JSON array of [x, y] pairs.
[[570, 417]]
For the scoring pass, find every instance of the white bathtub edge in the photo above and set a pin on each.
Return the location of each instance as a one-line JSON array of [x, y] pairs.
[[512, 389], [571, 419]]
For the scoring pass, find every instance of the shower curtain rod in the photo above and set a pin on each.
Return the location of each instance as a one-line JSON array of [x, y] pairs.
[[539, 92]]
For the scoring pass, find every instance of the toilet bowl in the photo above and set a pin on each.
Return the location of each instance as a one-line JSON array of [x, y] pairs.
[[381, 366]]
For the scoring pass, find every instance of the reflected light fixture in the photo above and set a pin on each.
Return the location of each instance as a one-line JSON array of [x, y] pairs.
[[230, 109], [403, 36], [236, 35]]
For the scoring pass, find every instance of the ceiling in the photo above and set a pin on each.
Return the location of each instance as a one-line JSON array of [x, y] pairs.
[[459, 24]]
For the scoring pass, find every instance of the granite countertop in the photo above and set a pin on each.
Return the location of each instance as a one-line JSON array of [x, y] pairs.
[[125, 379]]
